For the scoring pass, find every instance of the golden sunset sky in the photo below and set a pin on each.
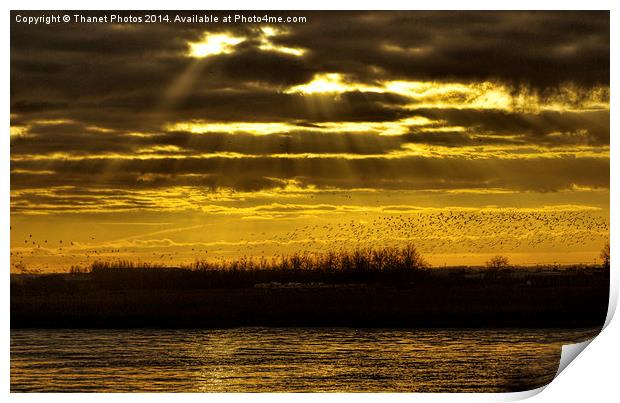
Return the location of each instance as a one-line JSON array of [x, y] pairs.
[[468, 133]]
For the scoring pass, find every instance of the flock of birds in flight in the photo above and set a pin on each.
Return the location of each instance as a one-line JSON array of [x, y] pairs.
[[443, 232], [449, 231]]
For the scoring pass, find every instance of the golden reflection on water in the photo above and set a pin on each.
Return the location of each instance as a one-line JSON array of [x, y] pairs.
[[287, 360]]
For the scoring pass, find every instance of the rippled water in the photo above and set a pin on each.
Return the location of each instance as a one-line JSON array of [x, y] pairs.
[[286, 359]]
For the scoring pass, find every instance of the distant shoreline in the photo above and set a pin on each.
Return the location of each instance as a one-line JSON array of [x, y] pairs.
[[535, 300]]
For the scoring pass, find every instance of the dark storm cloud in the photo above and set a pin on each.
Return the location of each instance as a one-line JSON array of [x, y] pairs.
[[266, 67], [95, 66], [537, 128], [143, 112], [249, 174], [547, 129], [127, 68], [82, 141], [277, 106], [541, 49], [480, 127], [452, 139]]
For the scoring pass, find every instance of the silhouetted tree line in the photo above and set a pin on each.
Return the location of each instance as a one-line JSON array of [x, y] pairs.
[[387, 265], [391, 266]]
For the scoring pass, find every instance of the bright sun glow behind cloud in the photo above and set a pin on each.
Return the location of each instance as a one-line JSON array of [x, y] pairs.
[[268, 45], [391, 128], [214, 44], [326, 83], [479, 95]]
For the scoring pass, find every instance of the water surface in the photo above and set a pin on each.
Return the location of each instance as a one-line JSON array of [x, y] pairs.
[[286, 359]]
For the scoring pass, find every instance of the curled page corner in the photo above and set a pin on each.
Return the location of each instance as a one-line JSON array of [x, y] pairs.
[[526, 394], [569, 353]]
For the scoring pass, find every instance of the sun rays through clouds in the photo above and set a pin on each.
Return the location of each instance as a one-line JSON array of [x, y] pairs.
[[168, 143]]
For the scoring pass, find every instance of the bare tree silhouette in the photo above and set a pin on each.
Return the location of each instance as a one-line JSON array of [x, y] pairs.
[[498, 262], [605, 255]]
